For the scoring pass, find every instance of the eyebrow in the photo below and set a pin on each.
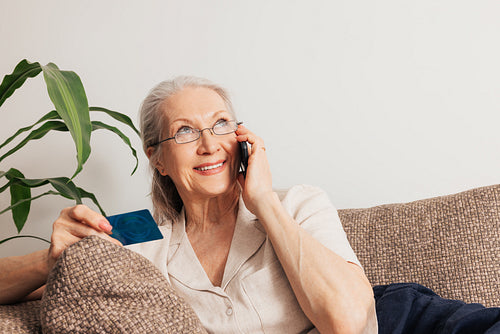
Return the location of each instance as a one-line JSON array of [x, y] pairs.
[[185, 120]]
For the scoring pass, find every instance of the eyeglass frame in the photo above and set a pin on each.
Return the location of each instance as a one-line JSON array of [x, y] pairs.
[[199, 134]]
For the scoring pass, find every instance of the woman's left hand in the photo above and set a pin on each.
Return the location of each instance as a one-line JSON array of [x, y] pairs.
[[257, 186]]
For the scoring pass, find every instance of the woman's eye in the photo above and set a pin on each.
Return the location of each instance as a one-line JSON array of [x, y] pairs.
[[185, 129], [221, 122]]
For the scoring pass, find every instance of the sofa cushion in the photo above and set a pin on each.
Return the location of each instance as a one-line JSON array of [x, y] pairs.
[[98, 287], [450, 244], [21, 318]]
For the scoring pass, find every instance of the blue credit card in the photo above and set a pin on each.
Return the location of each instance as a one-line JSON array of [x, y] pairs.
[[134, 227]]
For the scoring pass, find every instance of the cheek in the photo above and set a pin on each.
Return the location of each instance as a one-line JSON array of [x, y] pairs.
[[173, 161], [233, 151], [231, 147]]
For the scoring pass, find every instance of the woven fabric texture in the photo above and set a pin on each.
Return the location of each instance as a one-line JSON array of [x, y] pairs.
[[98, 287], [450, 244], [20, 318]]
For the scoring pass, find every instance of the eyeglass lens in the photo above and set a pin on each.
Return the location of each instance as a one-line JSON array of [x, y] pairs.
[[221, 128]]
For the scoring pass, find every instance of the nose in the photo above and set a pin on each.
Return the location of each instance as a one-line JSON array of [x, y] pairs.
[[209, 129], [207, 144]]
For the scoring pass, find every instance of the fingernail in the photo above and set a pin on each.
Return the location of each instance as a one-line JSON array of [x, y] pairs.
[[105, 226]]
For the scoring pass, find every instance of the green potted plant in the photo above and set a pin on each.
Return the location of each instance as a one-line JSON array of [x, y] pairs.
[[72, 114]]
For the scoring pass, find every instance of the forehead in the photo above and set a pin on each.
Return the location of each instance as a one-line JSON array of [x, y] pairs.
[[193, 103]]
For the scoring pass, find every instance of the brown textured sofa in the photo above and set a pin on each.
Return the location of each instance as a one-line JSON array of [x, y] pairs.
[[450, 244]]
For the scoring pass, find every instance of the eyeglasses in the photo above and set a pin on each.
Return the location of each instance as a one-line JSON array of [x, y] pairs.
[[187, 134]]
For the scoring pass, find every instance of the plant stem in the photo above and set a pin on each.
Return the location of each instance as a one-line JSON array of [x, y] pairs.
[[24, 236]]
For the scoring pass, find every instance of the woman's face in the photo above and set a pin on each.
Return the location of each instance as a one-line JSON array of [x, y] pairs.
[[209, 166]]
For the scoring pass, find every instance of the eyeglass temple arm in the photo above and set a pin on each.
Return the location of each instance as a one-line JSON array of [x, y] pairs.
[[161, 141]]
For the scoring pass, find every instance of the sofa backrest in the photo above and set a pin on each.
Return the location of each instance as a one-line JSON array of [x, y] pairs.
[[450, 244]]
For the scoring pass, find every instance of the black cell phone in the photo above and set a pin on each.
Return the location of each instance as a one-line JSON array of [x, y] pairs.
[[244, 157]]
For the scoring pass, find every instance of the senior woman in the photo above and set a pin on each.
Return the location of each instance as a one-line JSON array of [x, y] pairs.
[[246, 258]]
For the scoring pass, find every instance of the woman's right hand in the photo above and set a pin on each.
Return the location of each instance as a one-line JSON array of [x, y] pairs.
[[74, 224]]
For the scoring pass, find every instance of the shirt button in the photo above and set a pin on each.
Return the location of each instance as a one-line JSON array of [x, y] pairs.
[[229, 311]]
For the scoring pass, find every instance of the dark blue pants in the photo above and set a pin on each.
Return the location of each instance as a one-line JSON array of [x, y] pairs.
[[412, 308]]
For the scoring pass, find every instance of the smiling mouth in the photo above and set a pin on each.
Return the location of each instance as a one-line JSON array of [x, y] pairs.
[[205, 168]]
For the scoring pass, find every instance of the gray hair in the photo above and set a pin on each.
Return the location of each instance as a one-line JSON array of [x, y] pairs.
[[166, 200]]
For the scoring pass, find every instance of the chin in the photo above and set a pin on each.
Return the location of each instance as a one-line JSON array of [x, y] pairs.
[[217, 187]]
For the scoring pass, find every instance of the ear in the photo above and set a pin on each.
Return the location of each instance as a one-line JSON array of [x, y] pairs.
[[158, 164]]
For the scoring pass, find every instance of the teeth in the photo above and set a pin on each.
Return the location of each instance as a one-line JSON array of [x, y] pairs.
[[209, 167]]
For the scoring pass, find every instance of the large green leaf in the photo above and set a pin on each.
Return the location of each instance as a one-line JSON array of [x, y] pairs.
[[4, 187], [67, 188], [13, 81], [68, 95], [60, 126], [33, 183], [118, 116], [37, 134], [100, 125], [30, 199], [18, 193], [51, 115], [63, 185], [86, 194], [21, 193]]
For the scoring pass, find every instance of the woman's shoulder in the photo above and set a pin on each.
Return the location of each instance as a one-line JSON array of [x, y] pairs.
[[304, 199], [299, 190], [302, 193]]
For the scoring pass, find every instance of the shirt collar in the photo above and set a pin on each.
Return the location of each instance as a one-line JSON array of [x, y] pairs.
[[184, 266], [248, 236]]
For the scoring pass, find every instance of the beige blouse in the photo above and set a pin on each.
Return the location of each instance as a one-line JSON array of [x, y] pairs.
[[255, 296]]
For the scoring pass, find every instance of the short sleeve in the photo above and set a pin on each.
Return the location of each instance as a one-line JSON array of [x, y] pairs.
[[313, 211]]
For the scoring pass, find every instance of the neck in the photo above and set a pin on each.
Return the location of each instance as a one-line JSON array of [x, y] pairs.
[[205, 213]]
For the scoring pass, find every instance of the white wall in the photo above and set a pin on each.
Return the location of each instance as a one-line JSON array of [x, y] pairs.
[[375, 101]]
